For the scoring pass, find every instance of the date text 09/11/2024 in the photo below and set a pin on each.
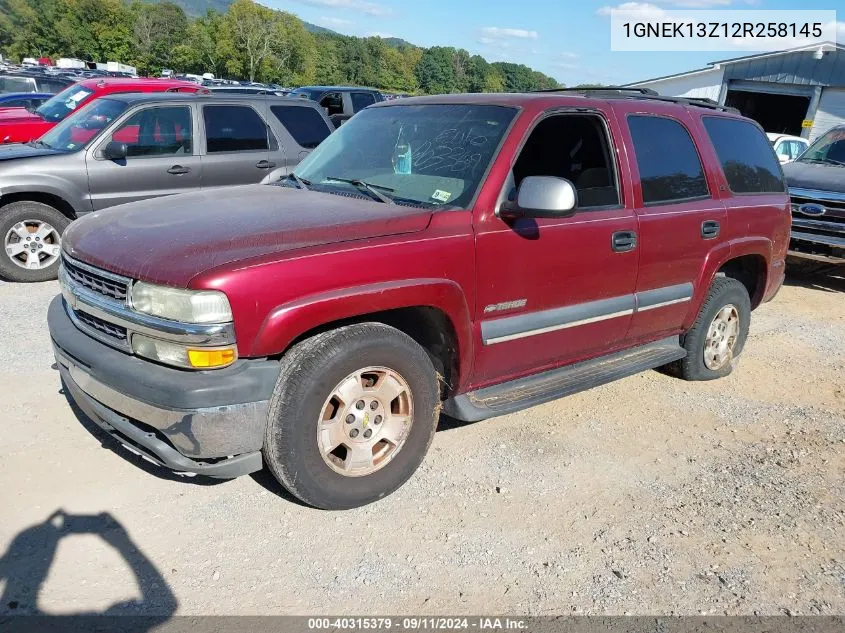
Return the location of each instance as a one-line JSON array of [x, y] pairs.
[[422, 623]]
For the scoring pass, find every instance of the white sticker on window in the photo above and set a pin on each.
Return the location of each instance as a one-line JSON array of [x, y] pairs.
[[441, 196]]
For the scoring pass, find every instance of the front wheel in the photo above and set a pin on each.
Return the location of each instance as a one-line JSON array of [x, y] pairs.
[[352, 415], [718, 335], [31, 241]]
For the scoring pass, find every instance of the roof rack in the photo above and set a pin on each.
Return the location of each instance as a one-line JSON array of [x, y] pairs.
[[621, 92], [642, 91]]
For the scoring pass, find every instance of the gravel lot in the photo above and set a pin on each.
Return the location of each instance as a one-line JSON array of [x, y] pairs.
[[646, 496]]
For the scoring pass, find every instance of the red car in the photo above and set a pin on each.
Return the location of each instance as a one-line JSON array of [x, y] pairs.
[[19, 125], [475, 254]]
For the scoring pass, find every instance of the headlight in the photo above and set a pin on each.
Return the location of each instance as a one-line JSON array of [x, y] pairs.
[[188, 306], [183, 355]]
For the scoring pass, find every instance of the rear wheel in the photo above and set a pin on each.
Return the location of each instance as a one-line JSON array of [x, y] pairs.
[[718, 335], [352, 415], [31, 241]]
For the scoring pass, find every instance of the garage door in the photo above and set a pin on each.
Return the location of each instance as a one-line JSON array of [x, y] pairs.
[[831, 111]]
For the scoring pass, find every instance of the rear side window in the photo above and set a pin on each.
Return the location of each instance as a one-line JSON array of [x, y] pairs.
[[747, 157], [230, 128], [305, 125], [361, 100], [670, 169]]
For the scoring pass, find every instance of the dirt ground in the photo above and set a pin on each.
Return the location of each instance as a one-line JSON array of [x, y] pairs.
[[646, 496]]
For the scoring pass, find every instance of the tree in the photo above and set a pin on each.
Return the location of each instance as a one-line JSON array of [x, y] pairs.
[[435, 71], [292, 49], [158, 30], [247, 40], [252, 27]]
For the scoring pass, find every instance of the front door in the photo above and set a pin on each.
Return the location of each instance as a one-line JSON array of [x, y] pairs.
[[555, 291], [161, 158]]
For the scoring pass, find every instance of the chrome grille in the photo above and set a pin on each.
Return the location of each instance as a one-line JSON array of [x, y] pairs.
[[101, 283], [111, 330]]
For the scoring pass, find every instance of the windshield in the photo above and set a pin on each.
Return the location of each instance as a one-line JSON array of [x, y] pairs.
[[305, 93], [829, 148], [58, 107], [75, 131], [427, 155]]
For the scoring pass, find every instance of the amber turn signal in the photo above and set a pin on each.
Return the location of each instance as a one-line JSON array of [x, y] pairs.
[[207, 358]]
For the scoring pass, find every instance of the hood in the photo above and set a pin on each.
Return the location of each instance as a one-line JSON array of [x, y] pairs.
[[815, 176], [172, 239], [19, 150], [18, 115]]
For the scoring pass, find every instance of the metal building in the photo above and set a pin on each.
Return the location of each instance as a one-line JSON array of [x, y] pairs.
[[799, 91]]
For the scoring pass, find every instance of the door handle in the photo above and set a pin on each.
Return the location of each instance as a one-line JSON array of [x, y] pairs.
[[709, 229], [265, 164], [178, 170], [623, 241]]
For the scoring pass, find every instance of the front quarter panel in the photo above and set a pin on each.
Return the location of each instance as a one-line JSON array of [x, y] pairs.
[[63, 176], [276, 302]]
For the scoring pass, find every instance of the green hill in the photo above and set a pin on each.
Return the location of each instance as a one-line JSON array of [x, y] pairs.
[[197, 8]]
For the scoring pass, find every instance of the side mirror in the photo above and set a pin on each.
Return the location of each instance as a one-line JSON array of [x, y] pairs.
[[115, 150], [542, 197]]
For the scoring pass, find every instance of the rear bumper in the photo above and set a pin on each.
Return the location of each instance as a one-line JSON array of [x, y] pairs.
[[209, 423]]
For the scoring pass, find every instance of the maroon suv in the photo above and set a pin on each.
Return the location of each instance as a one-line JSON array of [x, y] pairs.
[[476, 254]]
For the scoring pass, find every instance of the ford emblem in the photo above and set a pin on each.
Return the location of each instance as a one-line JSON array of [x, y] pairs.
[[811, 209]]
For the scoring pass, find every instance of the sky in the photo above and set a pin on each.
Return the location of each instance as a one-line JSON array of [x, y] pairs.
[[566, 39]]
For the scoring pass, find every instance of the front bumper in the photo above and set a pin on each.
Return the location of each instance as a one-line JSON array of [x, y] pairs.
[[203, 422]]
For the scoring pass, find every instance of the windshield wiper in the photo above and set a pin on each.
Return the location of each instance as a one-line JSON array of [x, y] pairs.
[[39, 143], [823, 161], [370, 188], [300, 182]]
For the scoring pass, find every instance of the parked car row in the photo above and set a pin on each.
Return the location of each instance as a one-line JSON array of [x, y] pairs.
[[20, 125], [128, 146]]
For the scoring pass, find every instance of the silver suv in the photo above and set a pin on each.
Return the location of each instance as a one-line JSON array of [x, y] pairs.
[[128, 147]]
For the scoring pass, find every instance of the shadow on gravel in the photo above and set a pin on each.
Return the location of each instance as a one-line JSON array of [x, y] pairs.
[[26, 564], [816, 276]]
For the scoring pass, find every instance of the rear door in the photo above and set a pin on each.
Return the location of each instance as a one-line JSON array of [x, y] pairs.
[[237, 145], [161, 159], [681, 218]]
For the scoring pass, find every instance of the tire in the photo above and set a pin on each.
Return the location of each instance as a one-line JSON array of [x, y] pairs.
[[27, 220], [305, 395], [724, 292]]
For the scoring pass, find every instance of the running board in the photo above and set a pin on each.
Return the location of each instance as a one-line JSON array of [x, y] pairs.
[[550, 385]]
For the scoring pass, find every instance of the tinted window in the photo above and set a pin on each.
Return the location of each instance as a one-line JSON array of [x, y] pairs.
[[17, 84], [361, 100], [333, 103], [670, 168], [164, 131], [305, 125], [747, 157], [52, 85], [16, 103], [233, 129]]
